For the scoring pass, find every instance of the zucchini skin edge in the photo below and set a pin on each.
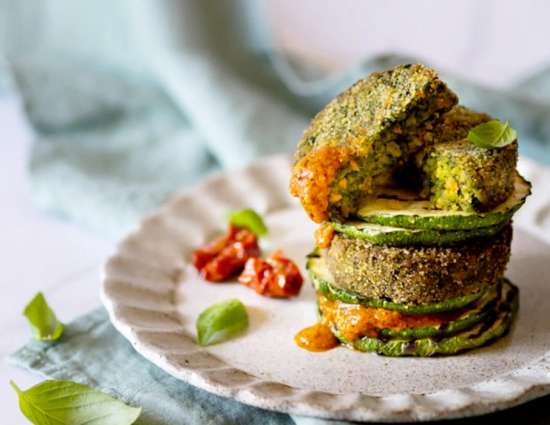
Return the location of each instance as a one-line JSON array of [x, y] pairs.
[[427, 347]]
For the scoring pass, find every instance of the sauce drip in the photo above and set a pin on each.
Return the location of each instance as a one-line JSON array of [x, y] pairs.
[[312, 176], [316, 338], [355, 321], [323, 236]]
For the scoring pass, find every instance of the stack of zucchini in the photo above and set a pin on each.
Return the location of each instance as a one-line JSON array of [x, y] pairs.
[[437, 274], [416, 221]]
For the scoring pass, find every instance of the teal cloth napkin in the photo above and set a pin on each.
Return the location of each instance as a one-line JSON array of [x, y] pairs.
[[91, 351], [164, 95]]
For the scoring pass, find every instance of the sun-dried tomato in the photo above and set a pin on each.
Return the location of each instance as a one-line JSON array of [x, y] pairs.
[[276, 276], [226, 255]]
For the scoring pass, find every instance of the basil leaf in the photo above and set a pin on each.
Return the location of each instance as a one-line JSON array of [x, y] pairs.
[[44, 324], [221, 321], [66, 402], [250, 219], [492, 134]]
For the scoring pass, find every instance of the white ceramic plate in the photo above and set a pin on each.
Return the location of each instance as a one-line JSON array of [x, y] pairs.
[[154, 296]]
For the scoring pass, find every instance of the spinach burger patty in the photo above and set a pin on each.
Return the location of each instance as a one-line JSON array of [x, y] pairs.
[[417, 274], [359, 138], [460, 176]]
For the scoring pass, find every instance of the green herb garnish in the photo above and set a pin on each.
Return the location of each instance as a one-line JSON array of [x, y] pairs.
[[44, 324], [250, 219], [65, 402], [221, 321], [492, 134]]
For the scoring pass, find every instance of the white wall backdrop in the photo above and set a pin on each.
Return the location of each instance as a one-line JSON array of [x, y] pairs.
[[494, 42]]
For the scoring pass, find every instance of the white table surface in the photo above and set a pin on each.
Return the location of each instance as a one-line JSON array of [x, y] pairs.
[[39, 252]]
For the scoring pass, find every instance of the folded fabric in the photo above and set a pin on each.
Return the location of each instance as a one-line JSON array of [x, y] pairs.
[[105, 157]]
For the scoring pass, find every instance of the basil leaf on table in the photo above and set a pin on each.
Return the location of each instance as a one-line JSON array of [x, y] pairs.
[[65, 402], [44, 324], [250, 219], [221, 321], [492, 134]]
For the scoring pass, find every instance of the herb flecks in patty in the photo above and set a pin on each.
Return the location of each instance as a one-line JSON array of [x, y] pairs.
[[380, 121]]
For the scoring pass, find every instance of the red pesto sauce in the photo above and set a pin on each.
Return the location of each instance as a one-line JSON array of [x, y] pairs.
[[312, 176], [355, 321], [316, 338], [323, 236]]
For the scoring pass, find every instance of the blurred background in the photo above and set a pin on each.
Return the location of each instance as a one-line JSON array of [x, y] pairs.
[[124, 102], [494, 42], [491, 42]]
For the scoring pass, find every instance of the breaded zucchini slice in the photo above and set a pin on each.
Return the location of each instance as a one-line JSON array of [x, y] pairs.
[[417, 274], [323, 283], [360, 137], [460, 176]]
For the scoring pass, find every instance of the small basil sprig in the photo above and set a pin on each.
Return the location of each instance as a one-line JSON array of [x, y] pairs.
[[44, 324], [65, 402], [248, 218], [221, 321], [492, 134]]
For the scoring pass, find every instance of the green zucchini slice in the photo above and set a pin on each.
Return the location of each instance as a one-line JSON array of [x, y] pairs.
[[476, 312], [388, 235], [496, 325], [471, 315], [401, 208]]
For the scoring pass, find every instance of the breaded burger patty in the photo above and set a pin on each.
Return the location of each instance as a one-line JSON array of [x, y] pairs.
[[353, 144], [415, 274], [460, 176]]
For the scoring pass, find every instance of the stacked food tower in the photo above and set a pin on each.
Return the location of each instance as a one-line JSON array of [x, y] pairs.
[[415, 219]]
